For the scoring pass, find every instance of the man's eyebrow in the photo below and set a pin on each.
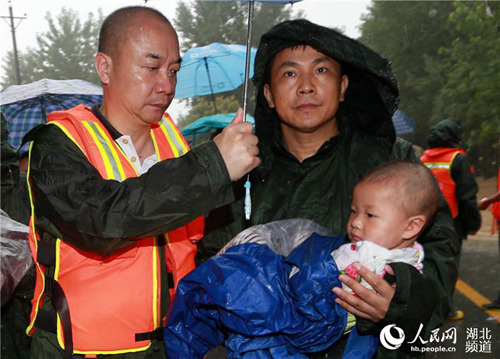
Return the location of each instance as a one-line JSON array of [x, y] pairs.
[[288, 64], [321, 59], [294, 63], [153, 56], [158, 57]]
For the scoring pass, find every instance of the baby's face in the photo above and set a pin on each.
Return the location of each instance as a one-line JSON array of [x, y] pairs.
[[377, 216]]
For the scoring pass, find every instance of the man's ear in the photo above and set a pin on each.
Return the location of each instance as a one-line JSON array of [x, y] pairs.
[[103, 65], [344, 83], [268, 95], [415, 225]]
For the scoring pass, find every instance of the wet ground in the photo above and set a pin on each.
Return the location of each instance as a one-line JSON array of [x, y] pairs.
[[478, 333]]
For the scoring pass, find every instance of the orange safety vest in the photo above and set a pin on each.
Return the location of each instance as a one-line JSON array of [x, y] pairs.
[[439, 161], [111, 299]]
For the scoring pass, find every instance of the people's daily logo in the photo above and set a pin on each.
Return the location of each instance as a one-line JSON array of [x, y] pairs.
[[390, 341]]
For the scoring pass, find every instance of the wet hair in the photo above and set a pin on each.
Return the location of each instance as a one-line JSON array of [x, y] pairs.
[[113, 33], [414, 186]]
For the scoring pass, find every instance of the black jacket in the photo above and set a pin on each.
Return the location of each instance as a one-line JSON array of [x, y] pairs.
[[320, 187], [448, 133]]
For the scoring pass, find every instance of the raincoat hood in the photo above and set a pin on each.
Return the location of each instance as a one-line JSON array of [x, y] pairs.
[[371, 97], [446, 133]]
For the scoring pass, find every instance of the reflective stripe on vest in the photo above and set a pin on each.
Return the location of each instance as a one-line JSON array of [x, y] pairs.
[[439, 161], [127, 283]]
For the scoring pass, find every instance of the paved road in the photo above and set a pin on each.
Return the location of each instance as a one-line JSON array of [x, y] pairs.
[[478, 333]]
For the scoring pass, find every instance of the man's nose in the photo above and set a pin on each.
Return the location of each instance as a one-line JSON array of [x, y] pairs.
[[306, 86], [166, 83]]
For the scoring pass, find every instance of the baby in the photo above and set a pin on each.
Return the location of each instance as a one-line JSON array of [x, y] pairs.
[[390, 207], [265, 301]]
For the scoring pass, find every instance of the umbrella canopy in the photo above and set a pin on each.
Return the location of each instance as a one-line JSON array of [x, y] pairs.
[[211, 69], [248, 67], [403, 124], [25, 106], [207, 123]]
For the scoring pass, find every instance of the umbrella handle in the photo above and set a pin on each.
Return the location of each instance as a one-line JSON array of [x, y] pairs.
[[248, 200], [247, 60]]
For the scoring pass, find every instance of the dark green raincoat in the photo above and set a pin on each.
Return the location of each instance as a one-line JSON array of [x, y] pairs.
[[15, 344], [320, 187]]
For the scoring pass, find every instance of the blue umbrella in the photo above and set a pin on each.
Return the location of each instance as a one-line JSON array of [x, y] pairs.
[[403, 124], [251, 3], [25, 106], [207, 123], [212, 69]]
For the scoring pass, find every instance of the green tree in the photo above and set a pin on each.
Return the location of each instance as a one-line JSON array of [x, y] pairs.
[[410, 34], [65, 51], [472, 84], [27, 62], [472, 87], [445, 55], [203, 22]]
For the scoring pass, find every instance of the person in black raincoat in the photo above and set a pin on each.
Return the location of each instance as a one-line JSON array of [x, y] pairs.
[[447, 134], [15, 202], [448, 160], [310, 166], [15, 199]]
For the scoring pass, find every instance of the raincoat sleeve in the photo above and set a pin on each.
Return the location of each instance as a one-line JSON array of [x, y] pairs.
[[422, 298], [75, 203], [469, 218]]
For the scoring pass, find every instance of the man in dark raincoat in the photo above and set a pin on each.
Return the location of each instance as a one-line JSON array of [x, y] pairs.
[[451, 166], [15, 202], [446, 135], [316, 141]]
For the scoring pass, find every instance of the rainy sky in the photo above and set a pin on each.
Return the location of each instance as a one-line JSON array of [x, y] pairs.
[[342, 14]]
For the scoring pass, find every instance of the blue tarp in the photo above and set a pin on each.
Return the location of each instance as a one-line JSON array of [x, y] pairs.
[[244, 299]]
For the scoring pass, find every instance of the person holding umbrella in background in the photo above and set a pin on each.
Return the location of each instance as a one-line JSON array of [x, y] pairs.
[[118, 199], [323, 118]]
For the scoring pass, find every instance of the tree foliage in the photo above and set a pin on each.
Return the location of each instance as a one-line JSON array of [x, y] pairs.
[[445, 55], [65, 51], [407, 33], [200, 23], [472, 87]]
